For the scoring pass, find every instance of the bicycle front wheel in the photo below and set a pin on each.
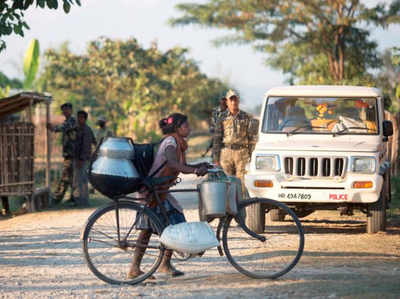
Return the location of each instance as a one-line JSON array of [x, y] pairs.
[[109, 242], [271, 252]]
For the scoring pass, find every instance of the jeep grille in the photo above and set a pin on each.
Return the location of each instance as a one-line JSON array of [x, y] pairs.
[[302, 166]]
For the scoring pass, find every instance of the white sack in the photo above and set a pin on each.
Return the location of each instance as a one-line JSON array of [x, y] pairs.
[[189, 237]]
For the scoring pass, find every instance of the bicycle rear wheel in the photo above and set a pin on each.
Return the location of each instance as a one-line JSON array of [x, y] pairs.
[[267, 254], [108, 250]]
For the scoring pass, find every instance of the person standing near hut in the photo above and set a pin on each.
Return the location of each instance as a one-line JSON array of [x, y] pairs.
[[84, 140], [102, 132], [68, 151]]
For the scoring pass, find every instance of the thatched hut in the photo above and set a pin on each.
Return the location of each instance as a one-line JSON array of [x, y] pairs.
[[17, 151]]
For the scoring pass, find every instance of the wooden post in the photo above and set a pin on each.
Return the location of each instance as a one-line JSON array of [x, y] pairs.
[[48, 146], [29, 111]]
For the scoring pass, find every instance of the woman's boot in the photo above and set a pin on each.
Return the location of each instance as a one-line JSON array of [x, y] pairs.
[[166, 266], [143, 240]]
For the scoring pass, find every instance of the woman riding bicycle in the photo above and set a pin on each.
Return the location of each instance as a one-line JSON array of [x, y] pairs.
[[171, 152]]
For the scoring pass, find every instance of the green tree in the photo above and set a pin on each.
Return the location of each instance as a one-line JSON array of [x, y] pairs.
[[388, 79], [31, 63], [30, 68], [12, 14], [131, 86], [11, 82], [396, 62], [311, 40], [4, 92]]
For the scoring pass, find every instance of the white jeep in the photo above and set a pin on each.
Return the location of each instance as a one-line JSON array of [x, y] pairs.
[[322, 148]]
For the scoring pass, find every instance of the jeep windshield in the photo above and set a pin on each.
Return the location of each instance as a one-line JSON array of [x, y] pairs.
[[313, 115]]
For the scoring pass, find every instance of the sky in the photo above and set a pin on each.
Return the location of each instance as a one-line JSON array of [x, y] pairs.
[[146, 20]]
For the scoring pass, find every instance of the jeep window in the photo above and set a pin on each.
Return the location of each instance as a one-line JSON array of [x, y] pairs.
[[313, 115]]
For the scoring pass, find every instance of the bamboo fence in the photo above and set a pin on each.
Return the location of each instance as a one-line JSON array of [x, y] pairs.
[[17, 148], [16, 158]]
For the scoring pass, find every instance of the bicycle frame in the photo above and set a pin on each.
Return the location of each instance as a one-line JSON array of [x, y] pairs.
[[152, 188], [156, 196]]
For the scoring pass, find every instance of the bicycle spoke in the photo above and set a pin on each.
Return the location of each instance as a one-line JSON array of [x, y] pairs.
[[104, 234], [104, 242]]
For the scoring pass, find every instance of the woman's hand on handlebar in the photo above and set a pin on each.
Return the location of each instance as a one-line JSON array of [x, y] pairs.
[[202, 170], [206, 164]]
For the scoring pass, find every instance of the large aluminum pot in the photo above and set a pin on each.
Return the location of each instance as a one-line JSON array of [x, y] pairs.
[[114, 167], [117, 148], [113, 172], [213, 198]]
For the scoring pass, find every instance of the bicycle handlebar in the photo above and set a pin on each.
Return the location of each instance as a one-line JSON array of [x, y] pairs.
[[215, 169]]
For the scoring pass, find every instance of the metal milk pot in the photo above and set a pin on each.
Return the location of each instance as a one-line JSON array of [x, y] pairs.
[[113, 172]]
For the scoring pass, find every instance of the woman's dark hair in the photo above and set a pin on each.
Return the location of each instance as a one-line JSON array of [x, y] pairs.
[[169, 124], [82, 112]]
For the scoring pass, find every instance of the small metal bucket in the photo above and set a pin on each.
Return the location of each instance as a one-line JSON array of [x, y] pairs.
[[213, 198]]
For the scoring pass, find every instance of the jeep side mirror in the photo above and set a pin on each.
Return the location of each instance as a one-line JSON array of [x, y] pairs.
[[387, 128]]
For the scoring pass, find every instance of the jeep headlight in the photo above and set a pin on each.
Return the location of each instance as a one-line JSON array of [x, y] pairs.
[[363, 164], [268, 162]]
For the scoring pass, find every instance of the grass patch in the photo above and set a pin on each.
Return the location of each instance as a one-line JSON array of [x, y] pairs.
[[95, 200]]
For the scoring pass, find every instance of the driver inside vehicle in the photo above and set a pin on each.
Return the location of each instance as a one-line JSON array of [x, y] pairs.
[[295, 117], [350, 119]]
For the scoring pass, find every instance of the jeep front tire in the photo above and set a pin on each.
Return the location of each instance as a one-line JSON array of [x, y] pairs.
[[376, 217], [255, 218]]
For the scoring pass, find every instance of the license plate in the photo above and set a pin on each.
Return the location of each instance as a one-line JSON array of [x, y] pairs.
[[295, 195]]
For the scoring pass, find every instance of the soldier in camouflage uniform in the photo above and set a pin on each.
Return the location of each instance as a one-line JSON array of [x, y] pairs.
[[234, 138], [68, 131], [216, 114]]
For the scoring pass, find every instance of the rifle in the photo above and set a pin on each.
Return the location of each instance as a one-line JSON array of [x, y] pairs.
[[208, 149]]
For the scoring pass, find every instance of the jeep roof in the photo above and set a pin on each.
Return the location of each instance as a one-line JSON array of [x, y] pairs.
[[324, 91]]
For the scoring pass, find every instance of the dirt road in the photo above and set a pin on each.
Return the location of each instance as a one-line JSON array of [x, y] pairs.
[[41, 257]]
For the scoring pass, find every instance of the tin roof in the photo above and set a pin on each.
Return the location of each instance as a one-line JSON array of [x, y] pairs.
[[20, 101]]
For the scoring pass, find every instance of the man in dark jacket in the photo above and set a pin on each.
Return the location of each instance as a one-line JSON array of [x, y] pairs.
[[84, 140], [67, 129]]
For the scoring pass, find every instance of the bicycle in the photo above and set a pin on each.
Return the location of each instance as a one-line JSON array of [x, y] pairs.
[[110, 233]]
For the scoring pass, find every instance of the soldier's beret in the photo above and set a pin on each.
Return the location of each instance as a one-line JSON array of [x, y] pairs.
[[101, 120], [231, 93], [66, 105]]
